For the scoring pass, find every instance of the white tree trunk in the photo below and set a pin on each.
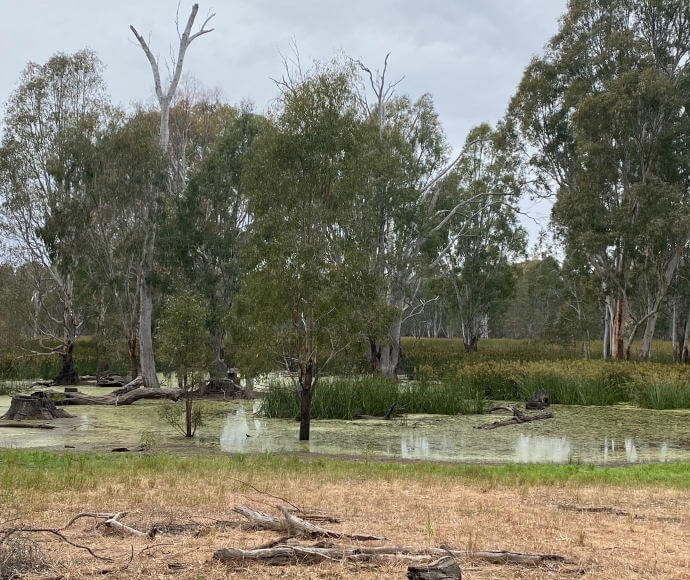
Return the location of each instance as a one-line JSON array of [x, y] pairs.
[[148, 362]]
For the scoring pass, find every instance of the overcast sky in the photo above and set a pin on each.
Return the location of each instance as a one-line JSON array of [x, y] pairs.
[[468, 54]]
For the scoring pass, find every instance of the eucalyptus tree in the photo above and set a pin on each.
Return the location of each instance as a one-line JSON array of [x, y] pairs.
[[154, 200], [128, 168], [409, 157], [605, 112], [309, 284], [52, 122], [485, 237], [205, 237]]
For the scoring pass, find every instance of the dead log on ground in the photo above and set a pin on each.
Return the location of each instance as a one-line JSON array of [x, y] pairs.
[[293, 526], [517, 418], [35, 406], [445, 568], [20, 425], [127, 395], [284, 554]]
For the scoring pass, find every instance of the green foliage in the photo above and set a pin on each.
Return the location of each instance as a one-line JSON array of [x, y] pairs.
[[346, 398], [174, 414], [182, 337]]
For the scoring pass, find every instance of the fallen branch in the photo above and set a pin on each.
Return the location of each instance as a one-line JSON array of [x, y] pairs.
[[130, 393], [5, 534], [293, 526], [297, 527], [20, 425], [517, 418], [284, 554], [111, 521], [389, 414]]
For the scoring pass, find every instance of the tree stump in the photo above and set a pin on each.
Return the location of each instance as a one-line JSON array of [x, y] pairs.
[[35, 406], [538, 401], [445, 568]]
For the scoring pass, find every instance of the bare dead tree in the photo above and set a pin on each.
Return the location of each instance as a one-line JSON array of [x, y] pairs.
[[165, 98]]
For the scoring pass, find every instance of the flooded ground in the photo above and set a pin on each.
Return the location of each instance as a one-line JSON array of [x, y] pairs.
[[601, 435]]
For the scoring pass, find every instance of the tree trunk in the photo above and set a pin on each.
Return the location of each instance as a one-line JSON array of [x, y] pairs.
[[617, 346], [68, 375], [646, 350], [471, 344], [606, 347], [391, 352], [686, 338], [188, 415], [305, 413], [674, 330], [133, 345], [148, 362], [220, 367]]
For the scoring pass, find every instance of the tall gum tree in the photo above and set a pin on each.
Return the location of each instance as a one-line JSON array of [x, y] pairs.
[[165, 96], [604, 112], [52, 123]]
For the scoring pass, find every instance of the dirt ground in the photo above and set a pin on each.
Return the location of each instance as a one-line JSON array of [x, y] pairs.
[[645, 534]]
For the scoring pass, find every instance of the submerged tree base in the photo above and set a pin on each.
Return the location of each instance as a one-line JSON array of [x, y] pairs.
[[35, 406]]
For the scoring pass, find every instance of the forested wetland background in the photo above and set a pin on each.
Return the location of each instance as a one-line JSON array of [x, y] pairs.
[[333, 310]]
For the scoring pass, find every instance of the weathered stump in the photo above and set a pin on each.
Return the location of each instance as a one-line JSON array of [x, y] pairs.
[[35, 406], [538, 401], [445, 568]]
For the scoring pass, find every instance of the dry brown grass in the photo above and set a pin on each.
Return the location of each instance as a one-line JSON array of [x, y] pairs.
[[650, 542]]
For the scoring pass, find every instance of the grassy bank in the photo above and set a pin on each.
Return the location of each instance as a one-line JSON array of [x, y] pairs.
[[28, 472]]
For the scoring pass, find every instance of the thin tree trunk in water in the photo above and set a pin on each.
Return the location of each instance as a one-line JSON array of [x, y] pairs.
[[374, 355]]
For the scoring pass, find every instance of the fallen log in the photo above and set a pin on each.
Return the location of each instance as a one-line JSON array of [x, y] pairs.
[[386, 417], [517, 418], [130, 393], [283, 554], [20, 425], [445, 568], [293, 526]]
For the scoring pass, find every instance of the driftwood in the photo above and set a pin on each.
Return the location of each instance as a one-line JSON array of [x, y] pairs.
[[35, 406], [445, 568], [111, 521], [293, 526], [286, 553], [20, 425], [517, 418], [127, 395], [388, 415]]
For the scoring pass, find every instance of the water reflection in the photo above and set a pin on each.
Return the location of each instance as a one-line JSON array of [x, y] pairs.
[[452, 439], [529, 449]]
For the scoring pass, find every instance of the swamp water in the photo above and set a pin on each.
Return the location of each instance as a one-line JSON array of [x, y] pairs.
[[601, 435]]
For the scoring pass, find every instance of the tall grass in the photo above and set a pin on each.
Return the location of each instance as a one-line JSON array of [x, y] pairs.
[[346, 398]]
